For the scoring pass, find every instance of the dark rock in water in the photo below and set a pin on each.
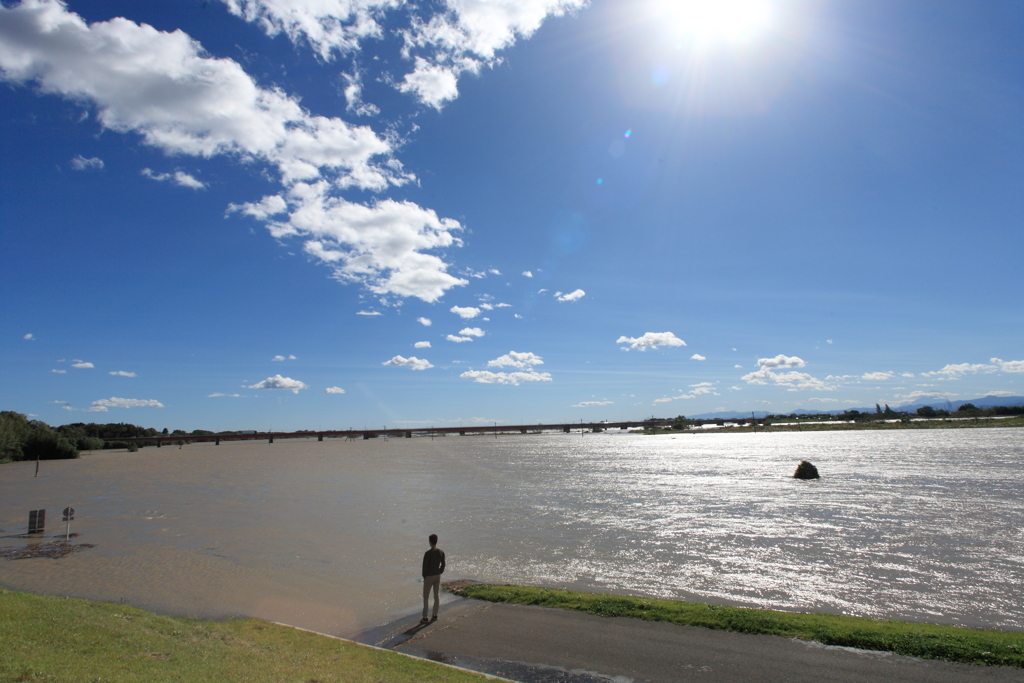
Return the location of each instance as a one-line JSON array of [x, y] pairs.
[[806, 470]]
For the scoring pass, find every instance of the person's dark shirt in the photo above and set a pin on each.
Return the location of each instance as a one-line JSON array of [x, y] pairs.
[[433, 562]]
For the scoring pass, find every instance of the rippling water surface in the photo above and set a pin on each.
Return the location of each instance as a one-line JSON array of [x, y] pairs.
[[923, 525]]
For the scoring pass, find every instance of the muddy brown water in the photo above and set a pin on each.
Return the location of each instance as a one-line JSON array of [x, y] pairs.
[[328, 536]]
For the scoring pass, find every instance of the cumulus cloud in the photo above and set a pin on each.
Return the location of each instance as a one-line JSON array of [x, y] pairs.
[[458, 340], [516, 359], [28, 336], [59, 372], [334, 390], [651, 340], [443, 40], [81, 364], [122, 373], [695, 391], [766, 373], [279, 382], [587, 404], [426, 322], [527, 273], [165, 88], [465, 312], [413, 362], [697, 356], [781, 361], [126, 403], [877, 376], [574, 295], [80, 163], [422, 345], [369, 313], [178, 177], [1009, 365], [471, 332]]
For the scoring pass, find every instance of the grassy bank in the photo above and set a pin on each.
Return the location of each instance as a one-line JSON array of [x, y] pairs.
[[929, 641], [46, 638]]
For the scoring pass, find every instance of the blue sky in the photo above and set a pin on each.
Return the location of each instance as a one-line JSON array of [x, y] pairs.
[[286, 214]]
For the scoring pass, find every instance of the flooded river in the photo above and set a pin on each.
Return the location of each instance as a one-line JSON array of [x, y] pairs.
[[922, 525]]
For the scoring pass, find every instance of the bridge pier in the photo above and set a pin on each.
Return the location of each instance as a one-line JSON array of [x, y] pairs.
[[366, 436], [462, 433], [158, 443], [218, 442], [522, 431], [566, 430], [271, 439], [320, 437]]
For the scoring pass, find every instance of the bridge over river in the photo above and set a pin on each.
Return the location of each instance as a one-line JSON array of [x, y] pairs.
[[566, 427]]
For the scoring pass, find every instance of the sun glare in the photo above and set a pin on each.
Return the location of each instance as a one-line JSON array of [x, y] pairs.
[[710, 22]]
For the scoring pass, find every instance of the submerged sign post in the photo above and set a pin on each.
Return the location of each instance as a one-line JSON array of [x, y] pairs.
[[69, 514]]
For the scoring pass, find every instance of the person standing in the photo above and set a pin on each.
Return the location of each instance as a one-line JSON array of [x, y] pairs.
[[433, 567]]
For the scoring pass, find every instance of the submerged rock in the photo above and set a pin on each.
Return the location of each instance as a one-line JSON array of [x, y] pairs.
[[806, 470]]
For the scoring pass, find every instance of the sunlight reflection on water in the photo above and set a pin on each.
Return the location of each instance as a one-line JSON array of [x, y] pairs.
[[907, 524]]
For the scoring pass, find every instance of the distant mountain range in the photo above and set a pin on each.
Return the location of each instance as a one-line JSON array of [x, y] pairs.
[[939, 403]]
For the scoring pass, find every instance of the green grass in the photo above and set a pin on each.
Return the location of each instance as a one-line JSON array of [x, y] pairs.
[[46, 638], [929, 641]]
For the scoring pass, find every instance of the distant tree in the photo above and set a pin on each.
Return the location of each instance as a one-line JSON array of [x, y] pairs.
[[927, 411], [888, 410], [966, 407], [878, 409], [165, 430]]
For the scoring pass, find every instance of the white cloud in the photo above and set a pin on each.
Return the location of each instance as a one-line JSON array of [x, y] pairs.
[[517, 316], [465, 312], [571, 296], [956, 371], [218, 394], [587, 404], [279, 382], [514, 378], [277, 358], [734, 388], [823, 400], [486, 307], [738, 367], [458, 37], [282, 358], [422, 345], [82, 364], [80, 163], [877, 376], [413, 362], [471, 332], [781, 361], [458, 340], [126, 403], [494, 271], [59, 372], [164, 87], [651, 340], [914, 395], [28, 336], [369, 313], [527, 273], [334, 390], [794, 380], [828, 341], [384, 246], [907, 374], [697, 356], [503, 305], [516, 359], [122, 373], [426, 322], [179, 177], [1009, 365]]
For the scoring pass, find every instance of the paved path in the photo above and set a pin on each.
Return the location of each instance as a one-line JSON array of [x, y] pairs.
[[541, 645]]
